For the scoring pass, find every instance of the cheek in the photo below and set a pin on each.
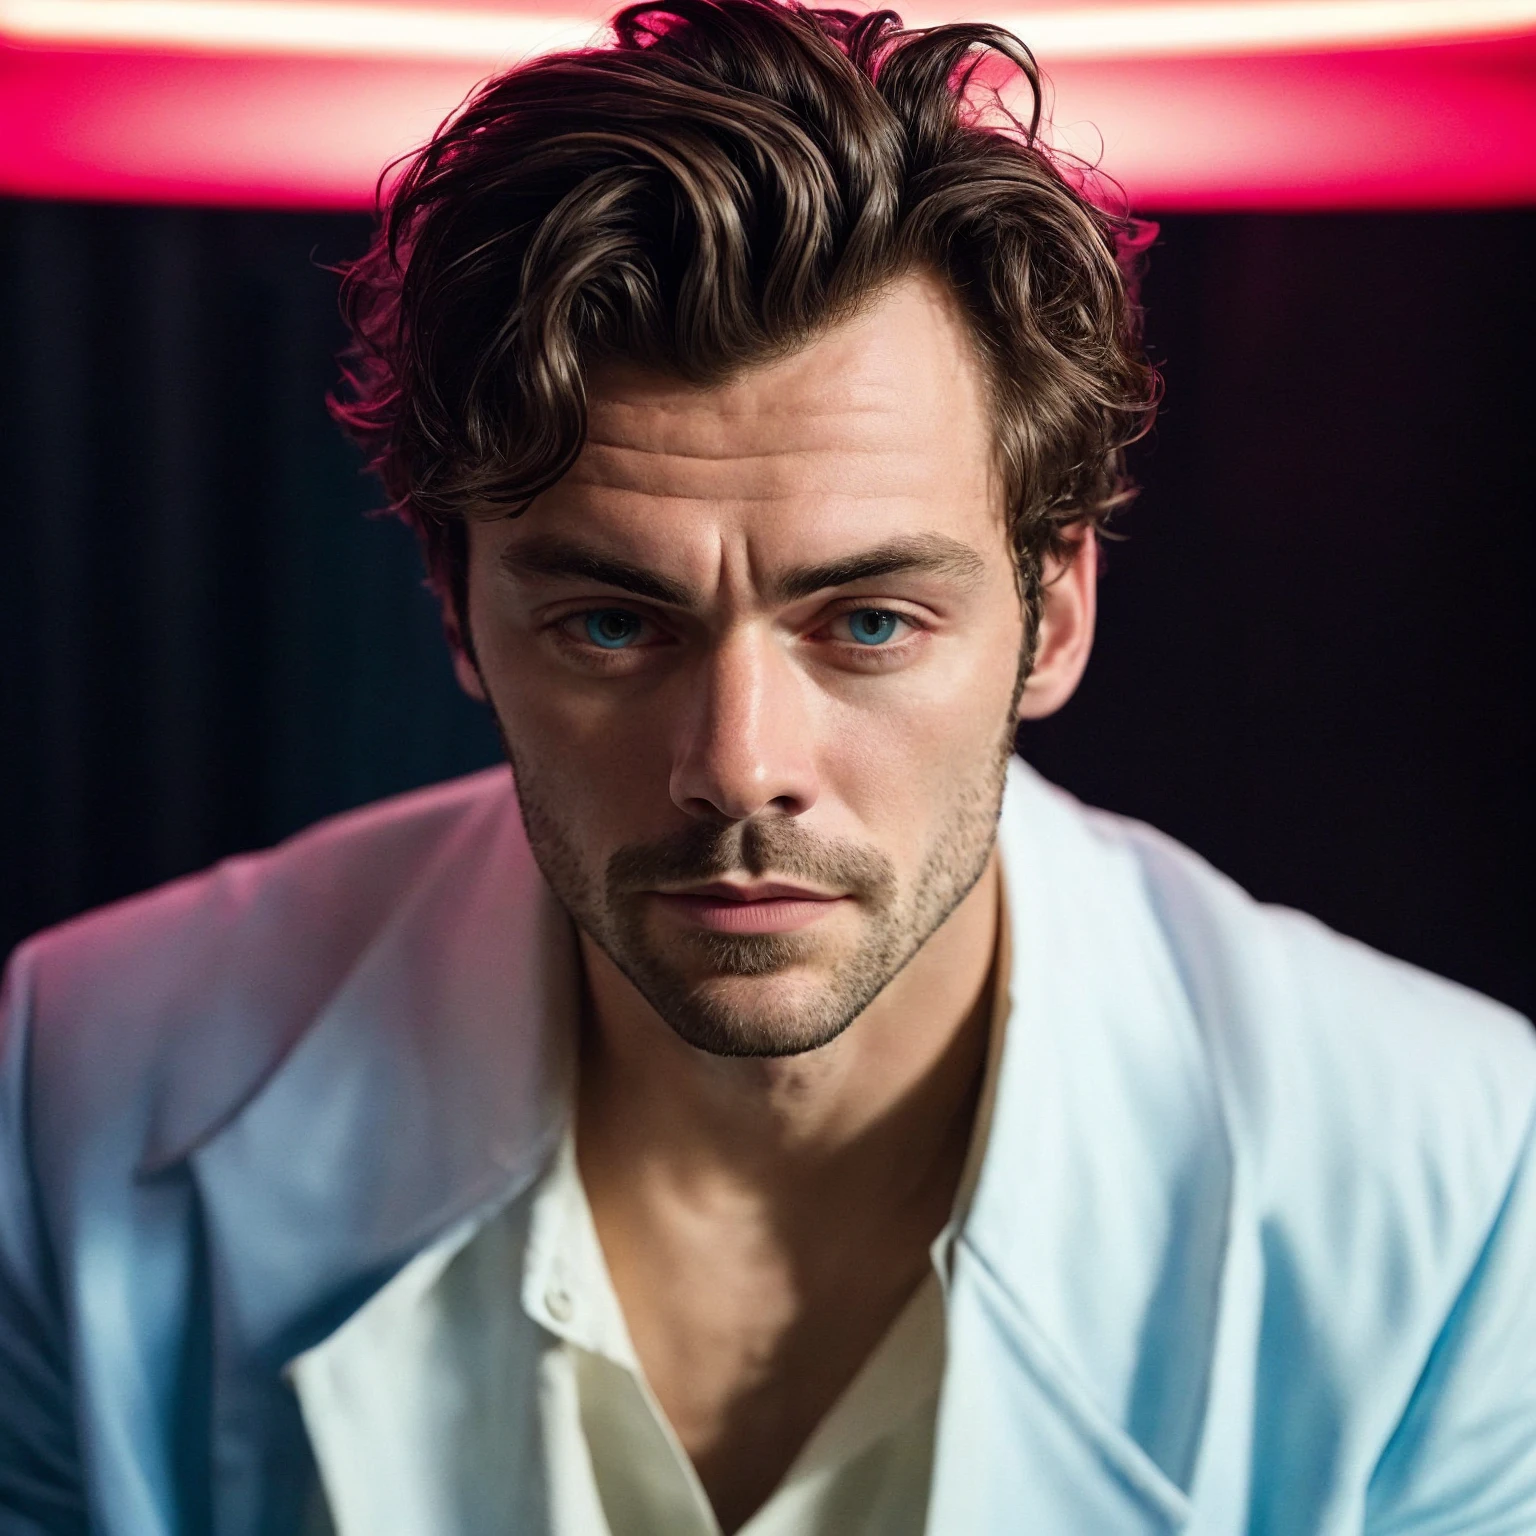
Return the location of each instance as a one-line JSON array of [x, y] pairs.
[[595, 757], [901, 757], [590, 736]]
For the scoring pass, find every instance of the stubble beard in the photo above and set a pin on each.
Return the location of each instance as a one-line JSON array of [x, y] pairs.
[[711, 1003]]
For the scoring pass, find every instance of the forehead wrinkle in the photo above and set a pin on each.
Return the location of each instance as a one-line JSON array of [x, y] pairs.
[[843, 395], [721, 501], [791, 436], [878, 450], [891, 471]]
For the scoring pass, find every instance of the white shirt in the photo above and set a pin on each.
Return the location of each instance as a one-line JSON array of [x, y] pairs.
[[864, 1469], [403, 1402]]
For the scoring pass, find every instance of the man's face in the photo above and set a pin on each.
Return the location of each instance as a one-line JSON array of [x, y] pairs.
[[754, 660]]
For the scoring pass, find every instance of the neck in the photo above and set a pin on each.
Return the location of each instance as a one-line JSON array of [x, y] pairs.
[[875, 1118]]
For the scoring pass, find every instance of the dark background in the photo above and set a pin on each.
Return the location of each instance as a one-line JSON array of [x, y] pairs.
[[1316, 646]]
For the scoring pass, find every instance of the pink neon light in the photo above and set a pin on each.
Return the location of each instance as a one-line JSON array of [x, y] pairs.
[[485, 33], [1423, 127], [1446, 125]]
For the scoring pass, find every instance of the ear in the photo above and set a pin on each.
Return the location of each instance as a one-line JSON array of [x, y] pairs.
[[1069, 606], [468, 674], [464, 668]]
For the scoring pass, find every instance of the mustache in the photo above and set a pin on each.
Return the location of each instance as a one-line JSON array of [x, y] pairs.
[[783, 848]]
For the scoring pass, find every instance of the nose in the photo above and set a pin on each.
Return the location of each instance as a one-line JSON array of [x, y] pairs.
[[746, 743]]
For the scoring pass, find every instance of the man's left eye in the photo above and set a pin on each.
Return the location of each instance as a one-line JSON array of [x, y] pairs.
[[870, 626], [612, 629]]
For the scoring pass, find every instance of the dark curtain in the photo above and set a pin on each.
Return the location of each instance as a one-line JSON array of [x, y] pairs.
[[1315, 660]]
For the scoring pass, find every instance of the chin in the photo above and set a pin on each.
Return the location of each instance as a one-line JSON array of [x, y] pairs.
[[773, 1015], [725, 1031]]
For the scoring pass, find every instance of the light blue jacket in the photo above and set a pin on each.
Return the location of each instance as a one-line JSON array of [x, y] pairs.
[[1253, 1248]]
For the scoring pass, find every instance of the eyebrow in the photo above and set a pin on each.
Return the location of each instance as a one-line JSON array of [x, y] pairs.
[[558, 559], [933, 554], [929, 553]]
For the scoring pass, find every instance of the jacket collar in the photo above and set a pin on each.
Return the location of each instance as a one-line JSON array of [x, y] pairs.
[[1094, 1247], [436, 1077], [1088, 1269]]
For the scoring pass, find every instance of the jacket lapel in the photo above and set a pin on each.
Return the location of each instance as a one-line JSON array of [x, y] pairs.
[[1087, 1277], [1022, 1446], [435, 1082]]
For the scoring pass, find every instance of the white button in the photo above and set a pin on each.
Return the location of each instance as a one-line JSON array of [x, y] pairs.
[[558, 1300]]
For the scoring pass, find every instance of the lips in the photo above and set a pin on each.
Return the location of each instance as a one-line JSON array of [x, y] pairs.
[[764, 907], [769, 890]]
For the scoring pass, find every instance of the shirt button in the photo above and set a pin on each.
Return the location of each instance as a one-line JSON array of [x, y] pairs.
[[558, 1300]]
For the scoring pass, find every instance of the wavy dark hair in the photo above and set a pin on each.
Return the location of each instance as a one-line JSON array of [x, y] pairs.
[[713, 188]]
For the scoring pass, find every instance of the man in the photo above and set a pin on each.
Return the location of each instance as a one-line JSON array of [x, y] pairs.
[[771, 1109]]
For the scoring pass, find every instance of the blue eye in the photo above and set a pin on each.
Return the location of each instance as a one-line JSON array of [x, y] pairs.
[[872, 626], [612, 628]]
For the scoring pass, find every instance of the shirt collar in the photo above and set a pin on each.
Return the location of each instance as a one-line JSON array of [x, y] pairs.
[[566, 1285]]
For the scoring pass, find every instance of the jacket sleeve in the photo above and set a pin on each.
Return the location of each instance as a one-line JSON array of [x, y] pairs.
[[40, 1489], [1462, 1461]]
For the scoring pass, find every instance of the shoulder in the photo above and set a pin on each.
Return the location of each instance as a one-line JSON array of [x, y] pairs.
[[1318, 1040], [228, 965], [311, 899], [1377, 1115], [1301, 1024]]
